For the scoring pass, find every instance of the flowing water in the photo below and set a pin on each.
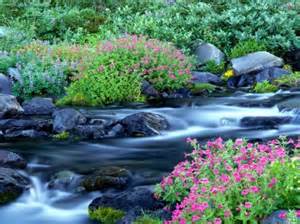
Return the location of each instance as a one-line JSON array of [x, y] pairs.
[[148, 158]]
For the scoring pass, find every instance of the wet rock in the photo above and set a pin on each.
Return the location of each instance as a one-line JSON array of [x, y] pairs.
[[148, 90], [269, 74], [255, 62], [207, 52], [12, 160], [15, 75], [65, 180], [38, 106], [31, 133], [205, 77], [89, 131], [116, 131], [178, 94], [138, 199], [144, 124], [12, 185], [265, 122], [9, 106], [275, 218], [290, 104], [5, 84], [109, 177], [22, 124], [67, 119]]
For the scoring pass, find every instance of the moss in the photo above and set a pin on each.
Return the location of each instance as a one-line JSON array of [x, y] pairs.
[[106, 215], [203, 88], [147, 219], [265, 87], [62, 136], [7, 197]]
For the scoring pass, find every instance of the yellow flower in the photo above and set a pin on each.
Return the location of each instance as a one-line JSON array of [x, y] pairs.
[[229, 73]]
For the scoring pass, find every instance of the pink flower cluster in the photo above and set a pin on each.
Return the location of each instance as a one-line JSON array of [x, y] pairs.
[[222, 181]]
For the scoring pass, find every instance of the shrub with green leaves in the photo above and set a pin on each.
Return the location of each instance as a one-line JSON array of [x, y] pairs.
[[147, 219], [246, 47], [213, 67], [6, 61], [120, 65], [290, 80], [39, 77], [265, 87], [106, 215]]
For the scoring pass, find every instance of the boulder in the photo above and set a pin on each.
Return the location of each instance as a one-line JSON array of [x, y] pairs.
[[30, 133], [290, 104], [116, 131], [278, 217], [38, 106], [205, 77], [12, 185], [269, 74], [148, 90], [207, 52], [265, 122], [5, 84], [9, 106], [65, 180], [67, 119], [144, 124], [255, 62], [23, 124], [12, 160], [109, 177], [138, 198], [89, 131]]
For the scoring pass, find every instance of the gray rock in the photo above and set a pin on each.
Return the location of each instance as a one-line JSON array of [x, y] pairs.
[[5, 84], [31, 133], [15, 75], [148, 90], [9, 106], [289, 104], [269, 74], [255, 62], [22, 124], [265, 122], [12, 185], [67, 119], [38, 106], [205, 77], [116, 131], [207, 52], [89, 131], [144, 124], [11, 160], [108, 177], [65, 180]]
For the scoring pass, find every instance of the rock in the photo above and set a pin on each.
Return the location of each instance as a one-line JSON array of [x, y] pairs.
[[148, 90], [207, 52], [11, 160], [255, 62], [276, 218], [269, 74], [116, 131], [5, 84], [67, 119], [205, 77], [22, 124], [12, 185], [178, 94], [245, 80], [144, 124], [9, 106], [138, 198], [65, 180], [89, 131], [38, 106], [293, 58], [15, 75], [31, 133], [110, 177], [264, 122], [289, 104]]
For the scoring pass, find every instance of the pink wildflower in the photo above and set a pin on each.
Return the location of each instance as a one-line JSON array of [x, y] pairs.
[[282, 215]]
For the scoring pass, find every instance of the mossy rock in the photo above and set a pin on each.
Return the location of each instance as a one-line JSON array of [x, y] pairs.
[[106, 215]]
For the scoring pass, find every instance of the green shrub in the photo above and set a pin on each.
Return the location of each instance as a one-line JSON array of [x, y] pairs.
[[290, 80], [200, 88], [147, 219], [6, 62], [62, 136], [265, 87], [213, 67], [246, 47], [39, 77], [120, 65], [106, 215]]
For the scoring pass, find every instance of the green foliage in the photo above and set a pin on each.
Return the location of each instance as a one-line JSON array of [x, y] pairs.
[[290, 80], [62, 136], [213, 67], [39, 77], [106, 215], [246, 47], [200, 88], [265, 87], [6, 62], [147, 219]]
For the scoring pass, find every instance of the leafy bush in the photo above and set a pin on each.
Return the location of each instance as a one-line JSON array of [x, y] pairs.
[[232, 182], [119, 67], [39, 77], [6, 62], [147, 219], [291, 80], [265, 87], [106, 215], [213, 67], [246, 47]]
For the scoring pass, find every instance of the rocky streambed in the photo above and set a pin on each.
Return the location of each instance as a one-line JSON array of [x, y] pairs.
[[58, 162]]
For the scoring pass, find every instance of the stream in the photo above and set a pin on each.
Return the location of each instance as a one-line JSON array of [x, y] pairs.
[[147, 158]]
